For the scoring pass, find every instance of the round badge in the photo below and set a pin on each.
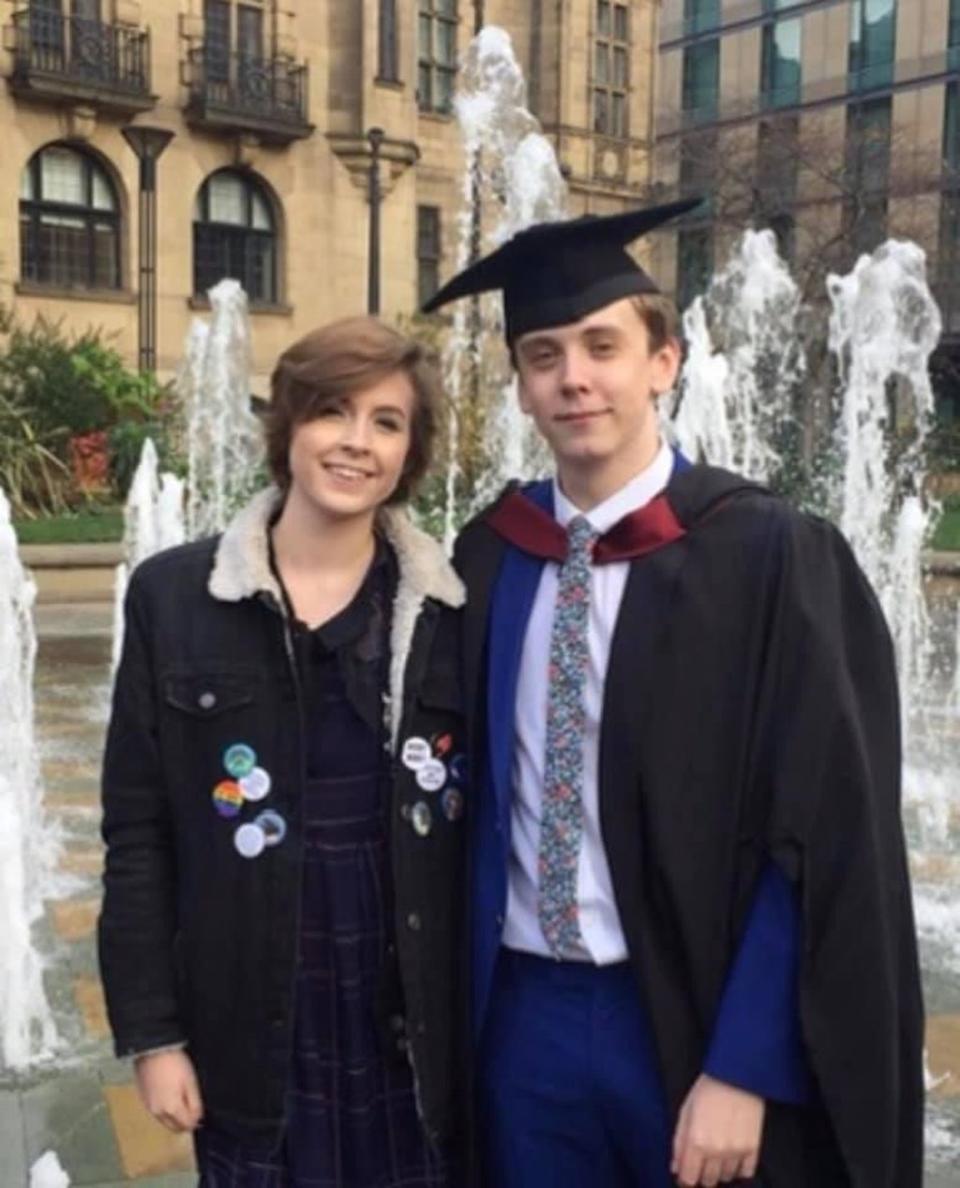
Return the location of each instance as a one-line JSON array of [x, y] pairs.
[[416, 752], [273, 826], [452, 802], [239, 760], [256, 785], [458, 769], [432, 775], [227, 798], [421, 818], [442, 744], [249, 840]]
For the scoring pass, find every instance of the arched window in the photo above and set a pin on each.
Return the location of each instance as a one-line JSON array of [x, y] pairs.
[[69, 221], [234, 235]]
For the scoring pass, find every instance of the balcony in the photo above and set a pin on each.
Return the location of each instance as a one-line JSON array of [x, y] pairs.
[[71, 59], [234, 93]]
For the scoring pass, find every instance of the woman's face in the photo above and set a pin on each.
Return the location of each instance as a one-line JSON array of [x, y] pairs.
[[348, 459]]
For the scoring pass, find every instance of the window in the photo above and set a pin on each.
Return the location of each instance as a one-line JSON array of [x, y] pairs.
[[948, 256], [216, 39], [780, 68], [69, 222], [611, 73], [868, 172], [953, 36], [777, 178], [428, 252], [701, 79], [873, 35], [387, 42], [234, 236], [700, 15], [437, 69], [694, 263]]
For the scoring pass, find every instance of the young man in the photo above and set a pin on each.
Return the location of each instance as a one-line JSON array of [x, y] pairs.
[[693, 947]]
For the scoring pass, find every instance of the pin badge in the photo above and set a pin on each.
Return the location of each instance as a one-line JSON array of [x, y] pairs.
[[432, 775], [273, 826], [227, 798], [249, 840], [239, 760], [452, 802], [442, 744], [416, 752], [256, 785], [458, 769], [422, 819]]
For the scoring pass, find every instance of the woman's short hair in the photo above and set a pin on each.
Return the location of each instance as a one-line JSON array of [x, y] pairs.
[[337, 360]]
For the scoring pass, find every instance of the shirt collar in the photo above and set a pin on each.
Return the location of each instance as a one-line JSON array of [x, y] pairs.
[[635, 494]]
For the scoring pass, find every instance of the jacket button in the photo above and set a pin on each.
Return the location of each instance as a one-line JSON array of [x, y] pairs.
[[413, 922], [207, 700], [397, 1023]]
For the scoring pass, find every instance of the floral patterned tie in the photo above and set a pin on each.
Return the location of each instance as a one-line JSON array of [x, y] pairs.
[[561, 823]]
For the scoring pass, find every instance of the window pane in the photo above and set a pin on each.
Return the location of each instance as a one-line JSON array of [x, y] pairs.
[[216, 38], [426, 38], [951, 125], [619, 67], [424, 88], [62, 176], [445, 83], [226, 194], [620, 27], [619, 112], [62, 250], [701, 77], [250, 32], [446, 7], [872, 41], [88, 10], [428, 232], [700, 15], [953, 36], [603, 18], [26, 184], [104, 256], [601, 112], [781, 67], [447, 44], [102, 192], [603, 64], [260, 212]]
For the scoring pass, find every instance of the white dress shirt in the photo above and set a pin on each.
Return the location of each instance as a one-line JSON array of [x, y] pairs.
[[600, 926]]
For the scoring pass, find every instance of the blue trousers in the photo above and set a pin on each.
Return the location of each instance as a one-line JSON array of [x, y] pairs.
[[570, 1096]]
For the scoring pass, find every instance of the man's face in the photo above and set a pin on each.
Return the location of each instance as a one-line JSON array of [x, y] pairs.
[[590, 387]]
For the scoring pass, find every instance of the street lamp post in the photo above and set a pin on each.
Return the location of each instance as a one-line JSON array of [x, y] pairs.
[[375, 137], [148, 143]]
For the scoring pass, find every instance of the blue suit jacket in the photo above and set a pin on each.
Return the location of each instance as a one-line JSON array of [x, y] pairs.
[[757, 1040]]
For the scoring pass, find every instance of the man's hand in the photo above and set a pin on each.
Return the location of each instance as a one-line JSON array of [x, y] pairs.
[[718, 1134], [168, 1088]]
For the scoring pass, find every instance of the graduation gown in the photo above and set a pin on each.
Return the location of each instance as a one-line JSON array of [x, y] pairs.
[[750, 715]]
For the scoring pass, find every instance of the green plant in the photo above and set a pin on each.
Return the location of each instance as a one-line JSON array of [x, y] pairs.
[[33, 476]]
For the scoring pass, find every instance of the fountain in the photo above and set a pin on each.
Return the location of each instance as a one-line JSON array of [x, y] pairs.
[[29, 847], [509, 160], [224, 439]]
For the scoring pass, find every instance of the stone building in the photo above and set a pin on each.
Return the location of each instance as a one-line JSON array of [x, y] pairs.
[[835, 122], [266, 177]]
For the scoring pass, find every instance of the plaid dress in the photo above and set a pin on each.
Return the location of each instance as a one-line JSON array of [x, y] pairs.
[[351, 1119]]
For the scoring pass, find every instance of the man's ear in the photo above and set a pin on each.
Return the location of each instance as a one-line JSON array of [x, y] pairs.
[[666, 366]]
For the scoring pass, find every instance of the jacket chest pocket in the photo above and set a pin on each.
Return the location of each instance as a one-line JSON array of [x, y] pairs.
[[213, 727]]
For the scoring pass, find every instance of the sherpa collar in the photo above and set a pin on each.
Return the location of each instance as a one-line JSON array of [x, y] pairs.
[[241, 567]]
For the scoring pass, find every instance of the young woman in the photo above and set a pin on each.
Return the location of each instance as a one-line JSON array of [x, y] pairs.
[[284, 800]]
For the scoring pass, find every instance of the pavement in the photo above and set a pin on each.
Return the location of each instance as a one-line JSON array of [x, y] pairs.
[[83, 1105]]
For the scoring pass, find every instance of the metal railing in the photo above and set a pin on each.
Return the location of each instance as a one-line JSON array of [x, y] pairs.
[[79, 52], [238, 86]]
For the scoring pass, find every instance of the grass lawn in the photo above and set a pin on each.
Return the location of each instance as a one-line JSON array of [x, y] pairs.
[[947, 535], [85, 527]]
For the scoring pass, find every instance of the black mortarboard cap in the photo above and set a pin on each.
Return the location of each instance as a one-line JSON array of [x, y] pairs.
[[555, 273]]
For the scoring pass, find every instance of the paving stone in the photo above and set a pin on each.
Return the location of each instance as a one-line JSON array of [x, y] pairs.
[[89, 995], [75, 919], [81, 862], [68, 1114], [943, 1053], [146, 1147], [13, 1151]]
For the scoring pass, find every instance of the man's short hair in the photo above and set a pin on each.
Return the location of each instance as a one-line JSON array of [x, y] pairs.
[[337, 360], [660, 316]]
